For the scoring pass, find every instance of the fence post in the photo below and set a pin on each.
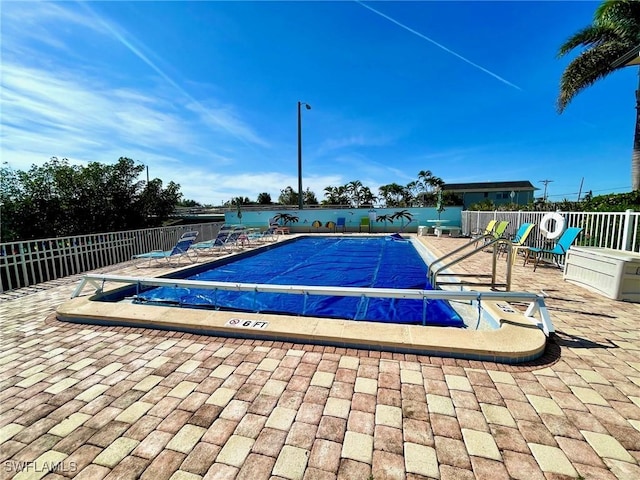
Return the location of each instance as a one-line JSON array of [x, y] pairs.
[[626, 230]]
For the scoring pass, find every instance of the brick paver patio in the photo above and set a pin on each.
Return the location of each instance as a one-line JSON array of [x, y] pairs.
[[91, 402]]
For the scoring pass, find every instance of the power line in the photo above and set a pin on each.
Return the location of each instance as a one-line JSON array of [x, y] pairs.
[[610, 190], [546, 182]]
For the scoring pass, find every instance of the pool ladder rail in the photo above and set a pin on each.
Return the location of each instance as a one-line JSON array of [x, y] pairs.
[[439, 268]]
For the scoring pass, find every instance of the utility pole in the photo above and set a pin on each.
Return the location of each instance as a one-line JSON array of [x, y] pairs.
[[546, 182], [580, 191]]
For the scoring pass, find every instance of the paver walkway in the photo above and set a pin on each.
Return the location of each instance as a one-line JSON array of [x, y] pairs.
[[90, 402]]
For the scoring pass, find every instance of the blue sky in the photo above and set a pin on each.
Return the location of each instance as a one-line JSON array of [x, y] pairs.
[[205, 93]]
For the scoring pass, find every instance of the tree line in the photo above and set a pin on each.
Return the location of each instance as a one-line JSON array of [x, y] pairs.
[[58, 199], [421, 192]]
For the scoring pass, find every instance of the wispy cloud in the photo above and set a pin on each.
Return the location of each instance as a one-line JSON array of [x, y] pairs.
[[439, 45], [346, 142], [216, 118]]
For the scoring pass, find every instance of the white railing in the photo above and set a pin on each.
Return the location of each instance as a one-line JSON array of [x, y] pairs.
[[616, 230], [31, 262]]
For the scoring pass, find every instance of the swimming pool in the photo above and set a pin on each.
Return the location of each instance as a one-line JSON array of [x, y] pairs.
[[366, 262], [510, 336]]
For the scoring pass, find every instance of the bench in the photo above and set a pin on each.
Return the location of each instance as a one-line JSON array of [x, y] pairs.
[[453, 231]]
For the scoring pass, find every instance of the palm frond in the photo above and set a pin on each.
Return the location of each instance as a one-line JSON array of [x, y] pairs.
[[588, 37], [589, 67], [622, 16]]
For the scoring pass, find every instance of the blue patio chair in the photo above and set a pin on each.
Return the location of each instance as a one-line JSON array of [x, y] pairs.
[[228, 237], [559, 250], [180, 250], [341, 223]]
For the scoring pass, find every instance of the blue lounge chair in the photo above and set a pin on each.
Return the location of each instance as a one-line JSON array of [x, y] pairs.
[[228, 237], [341, 223], [559, 250], [181, 249], [269, 235]]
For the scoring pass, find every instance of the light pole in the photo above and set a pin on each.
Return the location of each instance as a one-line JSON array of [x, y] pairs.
[[308, 107]]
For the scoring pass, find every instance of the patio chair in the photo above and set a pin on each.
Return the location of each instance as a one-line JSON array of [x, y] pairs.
[[519, 240], [498, 232], [341, 223], [190, 233], [181, 249], [487, 230], [557, 252], [227, 237], [268, 235], [364, 223]]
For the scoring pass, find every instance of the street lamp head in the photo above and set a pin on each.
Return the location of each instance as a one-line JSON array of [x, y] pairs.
[[308, 106]]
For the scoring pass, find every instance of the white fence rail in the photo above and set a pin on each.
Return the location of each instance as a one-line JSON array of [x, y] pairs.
[[31, 262], [616, 230]]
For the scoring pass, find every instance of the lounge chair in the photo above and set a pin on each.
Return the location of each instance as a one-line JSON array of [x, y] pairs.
[[557, 252], [487, 230], [190, 233], [341, 223], [498, 232], [181, 249], [364, 223], [268, 235], [519, 240], [227, 237]]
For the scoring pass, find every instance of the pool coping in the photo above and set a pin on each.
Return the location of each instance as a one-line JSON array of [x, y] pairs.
[[517, 340]]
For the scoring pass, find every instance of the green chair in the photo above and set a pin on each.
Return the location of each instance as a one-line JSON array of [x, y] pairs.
[[488, 229], [498, 232], [364, 223]]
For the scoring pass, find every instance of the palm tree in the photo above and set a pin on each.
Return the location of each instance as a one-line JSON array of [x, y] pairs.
[[402, 215], [615, 31], [354, 190], [385, 218], [286, 218]]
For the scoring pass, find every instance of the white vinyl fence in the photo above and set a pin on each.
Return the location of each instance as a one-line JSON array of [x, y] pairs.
[[616, 230], [31, 262]]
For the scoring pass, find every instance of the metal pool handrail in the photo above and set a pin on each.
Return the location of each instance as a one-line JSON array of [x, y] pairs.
[[488, 241], [536, 307]]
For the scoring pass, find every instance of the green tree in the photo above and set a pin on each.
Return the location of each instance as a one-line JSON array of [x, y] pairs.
[[57, 199], [288, 196], [264, 198], [393, 194], [336, 195], [615, 31], [309, 197]]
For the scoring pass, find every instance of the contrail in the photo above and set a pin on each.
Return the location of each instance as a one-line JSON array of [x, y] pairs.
[[237, 129], [498, 77]]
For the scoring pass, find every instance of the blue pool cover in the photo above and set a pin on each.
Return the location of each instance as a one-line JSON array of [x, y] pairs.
[[381, 262]]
